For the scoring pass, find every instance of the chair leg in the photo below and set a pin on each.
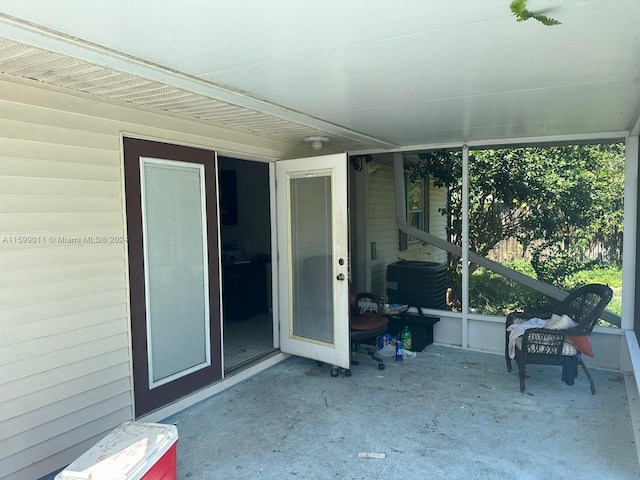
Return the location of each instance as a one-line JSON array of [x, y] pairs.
[[506, 353], [377, 359], [522, 368], [367, 351], [354, 350], [586, 372]]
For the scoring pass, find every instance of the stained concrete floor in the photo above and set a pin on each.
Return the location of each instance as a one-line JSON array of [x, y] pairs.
[[447, 414]]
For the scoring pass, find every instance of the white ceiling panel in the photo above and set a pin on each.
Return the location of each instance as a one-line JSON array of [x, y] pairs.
[[369, 73]]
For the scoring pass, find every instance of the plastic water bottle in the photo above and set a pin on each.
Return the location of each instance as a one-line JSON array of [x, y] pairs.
[[399, 350], [406, 338]]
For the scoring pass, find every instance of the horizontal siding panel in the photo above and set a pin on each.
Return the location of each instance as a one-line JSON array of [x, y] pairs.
[[58, 308], [59, 223], [63, 391], [38, 277], [94, 239], [52, 344], [437, 221], [58, 255], [35, 420], [40, 383], [91, 423], [42, 204], [25, 168], [379, 280], [58, 135], [46, 116], [60, 187], [39, 364], [33, 150], [51, 326], [383, 220], [384, 235]]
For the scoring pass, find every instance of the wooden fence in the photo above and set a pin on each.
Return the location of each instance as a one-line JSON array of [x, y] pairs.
[[510, 249]]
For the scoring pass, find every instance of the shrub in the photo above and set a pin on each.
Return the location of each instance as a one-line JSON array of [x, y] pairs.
[[493, 294]]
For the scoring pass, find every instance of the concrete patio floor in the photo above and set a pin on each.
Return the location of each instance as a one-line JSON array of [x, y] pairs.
[[447, 414]]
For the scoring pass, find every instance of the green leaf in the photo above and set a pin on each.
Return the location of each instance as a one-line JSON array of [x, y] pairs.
[[519, 9]]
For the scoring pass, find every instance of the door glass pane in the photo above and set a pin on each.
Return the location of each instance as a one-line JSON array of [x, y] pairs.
[[176, 270], [311, 267]]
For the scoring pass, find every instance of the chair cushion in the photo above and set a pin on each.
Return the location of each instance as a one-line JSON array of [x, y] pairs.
[[582, 343], [367, 321], [560, 322]]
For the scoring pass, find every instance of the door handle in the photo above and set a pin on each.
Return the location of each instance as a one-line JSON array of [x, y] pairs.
[[340, 277]]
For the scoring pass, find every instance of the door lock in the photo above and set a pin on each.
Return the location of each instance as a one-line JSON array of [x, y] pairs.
[[340, 277]]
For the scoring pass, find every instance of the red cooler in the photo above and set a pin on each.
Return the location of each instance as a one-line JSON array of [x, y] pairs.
[[133, 451]]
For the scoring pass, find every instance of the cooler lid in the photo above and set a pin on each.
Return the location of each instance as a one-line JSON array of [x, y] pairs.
[[126, 453]]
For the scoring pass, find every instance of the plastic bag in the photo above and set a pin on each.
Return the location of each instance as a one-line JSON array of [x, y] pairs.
[[389, 350]]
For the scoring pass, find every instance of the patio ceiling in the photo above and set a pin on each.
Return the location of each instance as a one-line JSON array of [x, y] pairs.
[[370, 74]]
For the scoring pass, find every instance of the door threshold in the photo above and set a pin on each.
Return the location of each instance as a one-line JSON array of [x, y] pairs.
[[251, 362]]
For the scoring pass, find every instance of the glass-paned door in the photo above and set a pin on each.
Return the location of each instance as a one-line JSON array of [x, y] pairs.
[[313, 253], [174, 270]]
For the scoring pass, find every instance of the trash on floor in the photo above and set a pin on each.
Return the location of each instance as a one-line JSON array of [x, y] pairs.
[[371, 455]]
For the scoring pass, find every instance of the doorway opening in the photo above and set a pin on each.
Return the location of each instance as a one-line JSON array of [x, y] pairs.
[[245, 234]]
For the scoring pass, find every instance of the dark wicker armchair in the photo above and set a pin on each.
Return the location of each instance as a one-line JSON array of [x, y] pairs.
[[551, 347]]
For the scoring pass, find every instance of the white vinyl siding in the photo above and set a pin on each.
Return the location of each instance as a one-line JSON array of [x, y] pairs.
[[65, 361], [64, 345], [383, 229]]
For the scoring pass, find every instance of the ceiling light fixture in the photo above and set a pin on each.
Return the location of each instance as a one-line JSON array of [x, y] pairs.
[[316, 142]]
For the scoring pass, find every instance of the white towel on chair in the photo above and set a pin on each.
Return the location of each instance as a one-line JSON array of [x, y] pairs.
[[518, 329]]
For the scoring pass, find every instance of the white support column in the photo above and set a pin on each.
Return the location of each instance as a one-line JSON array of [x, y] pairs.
[[465, 245], [275, 312], [363, 263], [629, 238]]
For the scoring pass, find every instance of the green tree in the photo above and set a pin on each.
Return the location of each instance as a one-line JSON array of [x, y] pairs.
[[564, 198]]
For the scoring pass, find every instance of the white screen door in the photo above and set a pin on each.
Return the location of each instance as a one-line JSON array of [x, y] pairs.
[[312, 226]]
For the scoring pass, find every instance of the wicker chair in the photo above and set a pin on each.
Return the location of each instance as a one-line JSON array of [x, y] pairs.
[[548, 347]]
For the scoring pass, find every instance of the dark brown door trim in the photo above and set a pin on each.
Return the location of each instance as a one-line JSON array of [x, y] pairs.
[[146, 399]]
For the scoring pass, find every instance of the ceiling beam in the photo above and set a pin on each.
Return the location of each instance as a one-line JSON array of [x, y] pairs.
[[502, 142]]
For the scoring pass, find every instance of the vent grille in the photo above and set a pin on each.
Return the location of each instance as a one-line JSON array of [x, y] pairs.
[[29, 62]]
